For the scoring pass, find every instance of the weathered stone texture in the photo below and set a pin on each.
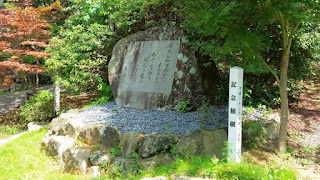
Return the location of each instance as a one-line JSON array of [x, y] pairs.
[[155, 69], [151, 144], [203, 143], [129, 143]]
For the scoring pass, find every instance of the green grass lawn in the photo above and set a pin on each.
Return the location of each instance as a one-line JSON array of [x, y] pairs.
[[23, 158]]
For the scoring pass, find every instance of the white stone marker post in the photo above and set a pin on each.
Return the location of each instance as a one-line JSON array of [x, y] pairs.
[[56, 99], [235, 113]]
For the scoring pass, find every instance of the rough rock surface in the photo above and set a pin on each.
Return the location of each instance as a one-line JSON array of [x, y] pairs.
[[151, 144], [91, 134], [65, 124], [76, 160], [203, 143], [56, 145], [129, 142], [110, 137], [100, 158], [272, 125], [155, 69], [33, 126]]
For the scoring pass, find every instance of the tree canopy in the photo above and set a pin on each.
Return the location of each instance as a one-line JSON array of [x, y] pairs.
[[24, 32]]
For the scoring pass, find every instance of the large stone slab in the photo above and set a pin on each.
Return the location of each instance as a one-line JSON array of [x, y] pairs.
[[152, 144], [155, 69], [203, 142]]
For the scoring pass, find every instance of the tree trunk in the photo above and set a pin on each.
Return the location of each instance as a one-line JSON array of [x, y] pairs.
[[282, 142], [36, 84]]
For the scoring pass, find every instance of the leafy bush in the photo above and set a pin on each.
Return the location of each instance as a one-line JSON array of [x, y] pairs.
[[253, 134], [106, 95], [38, 108], [85, 41]]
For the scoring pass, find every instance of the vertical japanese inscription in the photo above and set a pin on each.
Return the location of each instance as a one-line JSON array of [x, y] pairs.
[[235, 112], [156, 64]]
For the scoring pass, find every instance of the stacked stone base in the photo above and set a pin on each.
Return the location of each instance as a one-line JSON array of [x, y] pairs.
[[93, 149]]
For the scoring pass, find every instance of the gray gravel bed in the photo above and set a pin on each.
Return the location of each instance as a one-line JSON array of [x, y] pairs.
[[157, 121], [153, 121]]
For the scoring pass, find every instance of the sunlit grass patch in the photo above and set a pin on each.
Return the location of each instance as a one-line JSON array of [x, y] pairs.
[[23, 158], [209, 168]]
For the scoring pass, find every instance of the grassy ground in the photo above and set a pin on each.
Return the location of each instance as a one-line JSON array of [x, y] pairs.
[[208, 168], [23, 158]]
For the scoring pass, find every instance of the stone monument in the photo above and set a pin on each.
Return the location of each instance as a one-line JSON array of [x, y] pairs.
[[155, 69]]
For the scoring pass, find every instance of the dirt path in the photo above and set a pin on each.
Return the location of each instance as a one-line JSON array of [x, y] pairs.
[[11, 101], [5, 141], [304, 130]]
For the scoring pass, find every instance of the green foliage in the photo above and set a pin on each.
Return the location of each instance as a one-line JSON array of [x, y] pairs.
[[166, 128], [253, 134], [244, 33], [183, 106], [209, 168], [231, 33], [4, 56], [106, 95], [226, 151], [76, 61], [115, 151], [86, 39], [32, 60], [38, 108], [9, 130]]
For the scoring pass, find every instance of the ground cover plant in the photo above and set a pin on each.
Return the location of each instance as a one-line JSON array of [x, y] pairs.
[[210, 168]]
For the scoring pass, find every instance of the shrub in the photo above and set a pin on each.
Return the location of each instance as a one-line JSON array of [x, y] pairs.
[[106, 95], [253, 134], [38, 108]]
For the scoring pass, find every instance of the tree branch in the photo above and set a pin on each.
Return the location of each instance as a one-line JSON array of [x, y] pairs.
[[284, 30], [272, 71], [292, 33]]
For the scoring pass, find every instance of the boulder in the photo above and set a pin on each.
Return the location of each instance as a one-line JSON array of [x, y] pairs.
[[33, 126], [76, 160], [56, 145], [91, 134], [151, 144], [100, 158], [129, 142], [272, 125], [202, 142], [110, 137], [65, 124], [157, 160], [155, 69]]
